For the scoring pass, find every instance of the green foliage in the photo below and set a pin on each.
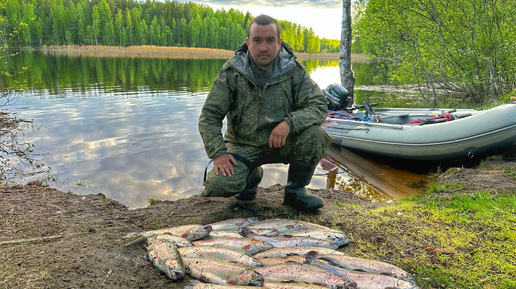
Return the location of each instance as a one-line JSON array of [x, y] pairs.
[[153, 201], [465, 46], [167, 23]]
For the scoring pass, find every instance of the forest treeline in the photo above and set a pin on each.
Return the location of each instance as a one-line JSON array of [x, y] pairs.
[[132, 22]]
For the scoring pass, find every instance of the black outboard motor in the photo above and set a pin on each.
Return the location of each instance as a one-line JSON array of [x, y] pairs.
[[338, 98]]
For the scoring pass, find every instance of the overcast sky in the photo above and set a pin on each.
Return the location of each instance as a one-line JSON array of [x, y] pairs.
[[324, 16]]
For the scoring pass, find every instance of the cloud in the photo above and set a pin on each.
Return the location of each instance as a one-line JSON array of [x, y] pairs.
[[278, 3]]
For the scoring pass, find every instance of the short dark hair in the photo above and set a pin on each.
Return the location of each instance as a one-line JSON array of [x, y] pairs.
[[264, 20]]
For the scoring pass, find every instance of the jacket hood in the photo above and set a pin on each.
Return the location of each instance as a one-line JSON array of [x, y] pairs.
[[285, 61]]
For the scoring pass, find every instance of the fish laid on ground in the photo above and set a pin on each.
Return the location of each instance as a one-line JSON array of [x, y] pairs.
[[222, 272], [280, 225], [289, 241], [165, 256], [224, 233], [365, 265], [278, 260], [278, 285], [233, 223], [218, 286], [179, 241], [247, 245], [304, 273], [220, 253], [364, 280], [332, 236], [189, 232], [294, 250]]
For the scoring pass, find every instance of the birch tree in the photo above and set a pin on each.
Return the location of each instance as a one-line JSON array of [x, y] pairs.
[[346, 74]]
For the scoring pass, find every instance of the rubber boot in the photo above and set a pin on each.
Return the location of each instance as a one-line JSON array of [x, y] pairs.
[[253, 179], [296, 195]]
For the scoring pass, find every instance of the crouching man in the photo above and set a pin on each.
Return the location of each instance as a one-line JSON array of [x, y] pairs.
[[274, 112]]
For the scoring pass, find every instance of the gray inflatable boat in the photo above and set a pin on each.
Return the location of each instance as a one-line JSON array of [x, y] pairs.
[[424, 134]]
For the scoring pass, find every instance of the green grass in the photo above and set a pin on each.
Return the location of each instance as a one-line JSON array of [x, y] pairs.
[[457, 241]]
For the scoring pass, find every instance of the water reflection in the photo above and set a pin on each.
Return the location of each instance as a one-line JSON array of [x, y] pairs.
[[127, 127]]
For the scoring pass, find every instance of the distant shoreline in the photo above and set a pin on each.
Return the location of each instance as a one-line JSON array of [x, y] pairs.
[[167, 52]]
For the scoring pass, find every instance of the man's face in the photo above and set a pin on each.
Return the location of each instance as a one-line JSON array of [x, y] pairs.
[[263, 44]]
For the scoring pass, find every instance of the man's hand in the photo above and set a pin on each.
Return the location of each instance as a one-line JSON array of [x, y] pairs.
[[223, 164], [279, 135]]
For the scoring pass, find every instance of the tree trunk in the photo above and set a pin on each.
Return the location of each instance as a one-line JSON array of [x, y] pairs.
[[346, 75]]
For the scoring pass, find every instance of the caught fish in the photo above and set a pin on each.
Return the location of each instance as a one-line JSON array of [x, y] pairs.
[[166, 258], [289, 241], [224, 233], [217, 286], [366, 265], [278, 260], [247, 245], [294, 250], [331, 236], [221, 272], [189, 232], [278, 285], [221, 253], [179, 241], [233, 223], [304, 273], [364, 280], [280, 225]]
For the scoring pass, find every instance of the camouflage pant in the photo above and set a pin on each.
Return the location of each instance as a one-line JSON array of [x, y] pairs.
[[309, 146]]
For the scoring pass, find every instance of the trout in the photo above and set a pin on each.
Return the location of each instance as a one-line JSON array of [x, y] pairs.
[[289, 241], [278, 285], [365, 265], [364, 280], [189, 232], [332, 236], [304, 273], [247, 245], [179, 241], [280, 225], [221, 272], [165, 257], [294, 250], [233, 223], [221, 253], [278, 260]]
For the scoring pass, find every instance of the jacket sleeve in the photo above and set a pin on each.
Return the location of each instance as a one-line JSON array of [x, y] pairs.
[[213, 113], [310, 107]]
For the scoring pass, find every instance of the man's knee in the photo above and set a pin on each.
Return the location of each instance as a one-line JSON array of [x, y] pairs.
[[224, 186], [311, 144]]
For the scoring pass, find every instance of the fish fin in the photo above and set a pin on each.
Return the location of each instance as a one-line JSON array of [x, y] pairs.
[[245, 232], [138, 241]]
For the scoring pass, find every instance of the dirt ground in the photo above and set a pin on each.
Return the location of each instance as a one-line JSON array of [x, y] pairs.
[[53, 239]]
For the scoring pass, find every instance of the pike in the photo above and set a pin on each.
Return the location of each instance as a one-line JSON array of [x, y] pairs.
[[221, 272], [247, 245], [166, 258], [280, 225], [233, 223], [294, 250], [221, 253], [288, 241], [364, 280], [365, 265], [304, 273]]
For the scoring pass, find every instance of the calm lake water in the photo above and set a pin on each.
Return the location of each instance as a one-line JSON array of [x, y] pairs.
[[127, 128]]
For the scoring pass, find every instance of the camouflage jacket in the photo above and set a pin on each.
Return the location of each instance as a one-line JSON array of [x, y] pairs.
[[253, 112]]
